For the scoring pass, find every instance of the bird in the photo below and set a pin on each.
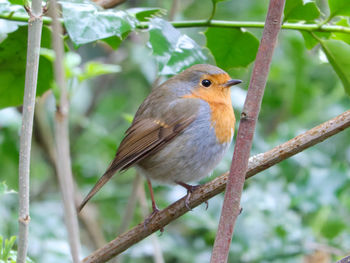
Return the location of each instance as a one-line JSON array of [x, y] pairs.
[[179, 133]]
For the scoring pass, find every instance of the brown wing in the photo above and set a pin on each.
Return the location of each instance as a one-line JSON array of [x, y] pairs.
[[144, 137]]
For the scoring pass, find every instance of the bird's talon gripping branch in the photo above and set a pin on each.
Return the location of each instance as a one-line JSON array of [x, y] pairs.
[[190, 190]]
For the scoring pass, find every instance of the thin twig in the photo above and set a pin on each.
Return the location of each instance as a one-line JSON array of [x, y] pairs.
[[173, 10], [256, 164], [63, 162], [35, 24], [212, 23], [249, 116]]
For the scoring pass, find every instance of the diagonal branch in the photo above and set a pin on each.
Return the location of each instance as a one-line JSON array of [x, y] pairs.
[[256, 164]]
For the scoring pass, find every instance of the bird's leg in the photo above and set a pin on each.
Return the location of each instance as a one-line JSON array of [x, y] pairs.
[[190, 189], [155, 209], [154, 206]]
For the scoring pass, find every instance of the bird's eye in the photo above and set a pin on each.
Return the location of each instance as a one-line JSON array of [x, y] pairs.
[[206, 82]]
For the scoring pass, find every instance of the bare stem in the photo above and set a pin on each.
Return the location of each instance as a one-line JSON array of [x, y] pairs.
[[35, 24], [250, 113], [256, 164], [63, 162]]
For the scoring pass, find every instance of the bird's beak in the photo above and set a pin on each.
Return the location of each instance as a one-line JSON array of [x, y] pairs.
[[232, 82]]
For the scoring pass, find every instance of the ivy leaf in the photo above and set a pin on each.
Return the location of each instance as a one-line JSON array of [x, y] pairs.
[[86, 23], [339, 8], [338, 55], [173, 51], [145, 14], [297, 10], [231, 47], [13, 53]]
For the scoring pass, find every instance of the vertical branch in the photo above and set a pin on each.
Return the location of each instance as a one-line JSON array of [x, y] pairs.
[[35, 24], [231, 206], [63, 162]]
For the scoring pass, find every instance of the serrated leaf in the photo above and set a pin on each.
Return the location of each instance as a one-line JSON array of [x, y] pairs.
[[342, 36], [338, 55], [297, 10], [231, 47], [94, 69], [13, 52], [339, 7], [173, 51], [86, 23], [145, 14]]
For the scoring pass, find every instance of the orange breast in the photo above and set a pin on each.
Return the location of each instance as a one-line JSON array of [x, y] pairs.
[[222, 116]]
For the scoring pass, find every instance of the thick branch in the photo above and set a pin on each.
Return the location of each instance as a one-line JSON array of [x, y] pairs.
[[256, 164], [249, 116], [35, 24], [63, 162]]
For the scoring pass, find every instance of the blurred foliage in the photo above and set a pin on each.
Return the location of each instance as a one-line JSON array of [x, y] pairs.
[[297, 208]]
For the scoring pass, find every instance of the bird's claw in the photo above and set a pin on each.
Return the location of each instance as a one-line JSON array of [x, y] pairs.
[[149, 218]]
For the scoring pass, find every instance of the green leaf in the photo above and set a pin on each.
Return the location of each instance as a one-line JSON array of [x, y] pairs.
[[297, 10], [342, 36], [86, 23], [339, 8], [4, 189], [332, 228], [173, 51], [114, 41], [7, 248], [338, 54], [128, 117], [145, 14], [7, 7], [19, 2], [13, 52], [94, 69], [310, 41], [231, 47]]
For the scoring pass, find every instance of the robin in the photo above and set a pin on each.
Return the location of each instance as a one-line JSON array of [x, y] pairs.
[[180, 132]]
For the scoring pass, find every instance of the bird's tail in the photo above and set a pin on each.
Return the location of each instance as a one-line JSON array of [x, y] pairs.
[[101, 182]]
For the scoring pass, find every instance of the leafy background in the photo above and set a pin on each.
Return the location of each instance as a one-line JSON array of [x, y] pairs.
[[296, 211]]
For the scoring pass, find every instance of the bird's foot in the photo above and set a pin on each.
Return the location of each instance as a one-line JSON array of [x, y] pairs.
[[190, 189], [149, 218]]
